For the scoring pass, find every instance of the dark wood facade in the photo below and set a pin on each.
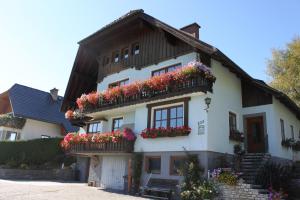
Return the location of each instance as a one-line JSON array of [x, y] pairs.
[[154, 47], [254, 96]]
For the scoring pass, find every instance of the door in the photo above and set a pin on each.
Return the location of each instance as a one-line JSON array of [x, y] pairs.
[[113, 170], [255, 134]]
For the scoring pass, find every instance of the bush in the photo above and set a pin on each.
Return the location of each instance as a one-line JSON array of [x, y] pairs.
[[274, 175], [32, 153], [194, 186], [227, 178]]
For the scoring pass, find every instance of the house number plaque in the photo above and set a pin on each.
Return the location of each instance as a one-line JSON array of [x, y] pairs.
[[201, 127]]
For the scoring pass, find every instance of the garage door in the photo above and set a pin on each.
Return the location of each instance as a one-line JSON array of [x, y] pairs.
[[113, 170]]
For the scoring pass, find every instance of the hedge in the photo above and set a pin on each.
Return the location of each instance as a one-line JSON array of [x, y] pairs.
[[31, 152]]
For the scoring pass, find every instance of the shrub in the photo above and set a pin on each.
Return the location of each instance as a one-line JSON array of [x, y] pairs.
[[137, 170], [32, 152], [274, 175], [194, 186], [227, 178]]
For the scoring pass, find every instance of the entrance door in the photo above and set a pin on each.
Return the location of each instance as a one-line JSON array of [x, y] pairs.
[[113, 170], [255, 134]]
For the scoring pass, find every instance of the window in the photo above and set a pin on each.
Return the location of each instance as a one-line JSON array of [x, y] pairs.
[[11, 136], [168, 117], [135, 49], [115, 57], [282, 129], [117, 123], [94, 127], [292, 132], [153, 165], [125, 53], [119, 83], [45, 136], [176, 164], [232, 121], [166, 69]]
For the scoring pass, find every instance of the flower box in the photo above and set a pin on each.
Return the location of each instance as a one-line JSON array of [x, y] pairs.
[[296, 146], [97, 141], [236, 135], [165, 132], [188, 78], [287, 143]]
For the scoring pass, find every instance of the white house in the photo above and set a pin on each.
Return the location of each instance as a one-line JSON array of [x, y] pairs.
[[137, 47], [27, 113]]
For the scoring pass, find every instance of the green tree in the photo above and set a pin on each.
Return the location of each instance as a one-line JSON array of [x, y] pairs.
[[284, 68]]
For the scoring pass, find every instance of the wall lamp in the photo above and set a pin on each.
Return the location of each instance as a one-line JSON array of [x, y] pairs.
[[207, 102]]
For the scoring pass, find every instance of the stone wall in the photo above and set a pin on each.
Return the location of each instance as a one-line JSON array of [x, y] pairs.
[[54, 174], [240, 191]]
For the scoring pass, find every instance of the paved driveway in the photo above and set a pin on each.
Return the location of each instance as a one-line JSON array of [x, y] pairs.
[[44, 190]]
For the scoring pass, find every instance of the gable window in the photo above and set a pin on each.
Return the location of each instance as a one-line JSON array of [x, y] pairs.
[[153, 165], [119, 83], [125, 53], [11, 136], [117, 123], [232, 122], [176, 164], [282, 129], [166, 69], [45, 136], [168, 117], [292, 132], [136, 49], [115, 57], [94, 127]]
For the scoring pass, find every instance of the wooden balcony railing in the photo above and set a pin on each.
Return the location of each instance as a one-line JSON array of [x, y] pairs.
[[122, 146], [197, 84]]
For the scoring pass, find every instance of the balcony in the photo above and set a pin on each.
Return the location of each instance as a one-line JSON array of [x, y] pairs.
[[191, 85], [122, 146]]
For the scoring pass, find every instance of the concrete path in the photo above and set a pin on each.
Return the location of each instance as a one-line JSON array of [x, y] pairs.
[[46, 190]]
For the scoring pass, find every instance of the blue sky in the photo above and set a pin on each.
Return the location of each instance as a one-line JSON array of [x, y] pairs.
[[38, 39]]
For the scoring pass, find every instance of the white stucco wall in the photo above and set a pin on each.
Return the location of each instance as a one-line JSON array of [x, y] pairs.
[[282, 112], [226, 98], [35, 129], [192, 142]]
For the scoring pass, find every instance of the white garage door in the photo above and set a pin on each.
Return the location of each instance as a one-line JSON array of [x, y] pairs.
[[113, 170]]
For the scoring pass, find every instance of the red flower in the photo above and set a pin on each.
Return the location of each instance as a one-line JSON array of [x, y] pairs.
[[165, 132], [93, 98]]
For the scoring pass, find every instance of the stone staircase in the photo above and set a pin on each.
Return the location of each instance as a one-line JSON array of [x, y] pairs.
[[250, 164], [294, 192]]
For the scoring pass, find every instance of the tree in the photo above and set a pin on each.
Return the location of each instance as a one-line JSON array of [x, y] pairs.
[[284, 68]]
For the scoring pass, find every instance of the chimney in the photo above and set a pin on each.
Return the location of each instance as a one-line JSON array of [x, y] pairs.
[[54, 94], [192, 29]]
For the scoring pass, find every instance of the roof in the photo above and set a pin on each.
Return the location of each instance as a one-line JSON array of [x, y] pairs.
[[35, 104], [194, 42]]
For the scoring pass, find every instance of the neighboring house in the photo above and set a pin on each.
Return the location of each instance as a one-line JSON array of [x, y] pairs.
[[27, 113], [137, 47]]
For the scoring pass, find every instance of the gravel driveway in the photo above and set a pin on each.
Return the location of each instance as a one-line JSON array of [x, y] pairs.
[[45, 190]]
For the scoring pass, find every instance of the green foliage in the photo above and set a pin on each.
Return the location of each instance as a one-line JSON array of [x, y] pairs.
[[284, 68], [274, 175], [8, 120], [137, 169], [227, 178], [194, 187], [32, 153]]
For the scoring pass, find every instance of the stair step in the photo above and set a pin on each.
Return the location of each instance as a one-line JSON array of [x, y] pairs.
[[154, 197]]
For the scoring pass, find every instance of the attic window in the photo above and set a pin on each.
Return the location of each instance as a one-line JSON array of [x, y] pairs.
[[116, 57], [125, 53], [136, 49]]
